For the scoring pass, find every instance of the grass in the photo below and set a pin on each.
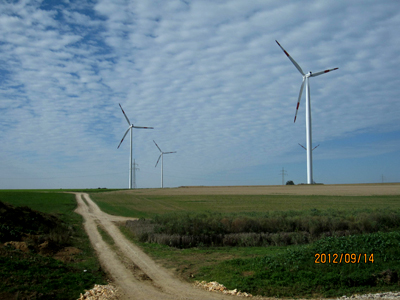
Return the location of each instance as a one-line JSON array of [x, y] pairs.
[[37, 275], [294, 272], [29, 274], [48, 202], [105, 236], [147, 206]]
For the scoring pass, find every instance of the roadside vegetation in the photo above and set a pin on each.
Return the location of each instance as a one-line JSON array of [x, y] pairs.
[[185, 230], [44, 250]]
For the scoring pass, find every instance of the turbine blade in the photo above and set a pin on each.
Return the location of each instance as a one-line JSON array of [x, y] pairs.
[[298, 101], [158, 160], [139, 127], [315, 147], [123, 137], [323, 72], [125, 114], [169, 152], [157, 146], [303, 146], [291, 59]]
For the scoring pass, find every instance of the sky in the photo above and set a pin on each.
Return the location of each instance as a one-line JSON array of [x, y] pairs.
[[211, 80]]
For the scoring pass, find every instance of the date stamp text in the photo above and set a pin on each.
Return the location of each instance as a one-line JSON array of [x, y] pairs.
[[340, 258]]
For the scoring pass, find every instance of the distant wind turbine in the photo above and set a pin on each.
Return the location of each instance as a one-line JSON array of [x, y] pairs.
[[306, 148], [308, 110], [131, 126], [162, 163]]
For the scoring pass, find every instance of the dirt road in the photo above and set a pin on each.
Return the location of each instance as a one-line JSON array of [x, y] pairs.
[[135, 274]]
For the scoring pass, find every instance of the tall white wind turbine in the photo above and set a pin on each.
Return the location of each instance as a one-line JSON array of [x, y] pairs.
[[308, 111], [131, 126], [162, 162]]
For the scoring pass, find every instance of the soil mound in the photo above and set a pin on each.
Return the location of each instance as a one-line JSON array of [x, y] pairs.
[[14, 221], [28, 230]]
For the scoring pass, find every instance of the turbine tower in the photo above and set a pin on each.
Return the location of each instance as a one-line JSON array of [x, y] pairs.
[[162, 163], [131, 126], [308, 111]]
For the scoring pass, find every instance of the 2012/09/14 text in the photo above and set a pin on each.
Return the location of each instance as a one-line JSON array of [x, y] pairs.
[[348, 258]]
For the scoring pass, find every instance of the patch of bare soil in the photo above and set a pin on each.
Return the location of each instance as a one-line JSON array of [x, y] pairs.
[[67, 254], [135, 274], [328, 189]]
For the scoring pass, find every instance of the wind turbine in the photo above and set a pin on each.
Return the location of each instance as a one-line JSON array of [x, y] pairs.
[[162, 163], [131, 126], [308, 110]]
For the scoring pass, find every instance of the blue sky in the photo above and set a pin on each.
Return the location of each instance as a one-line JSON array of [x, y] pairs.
[[209, 77]]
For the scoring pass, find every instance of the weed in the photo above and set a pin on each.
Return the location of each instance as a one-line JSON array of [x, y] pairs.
[[105, 235], [186, 229]]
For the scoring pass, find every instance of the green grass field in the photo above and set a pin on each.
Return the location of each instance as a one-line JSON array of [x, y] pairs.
[[44, 201], [147, 206]]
